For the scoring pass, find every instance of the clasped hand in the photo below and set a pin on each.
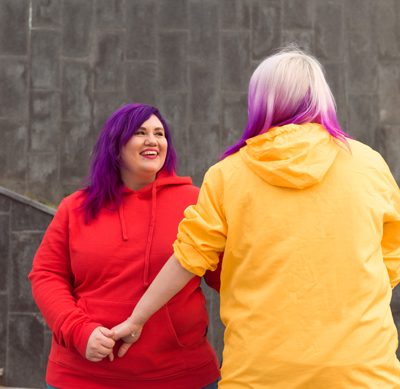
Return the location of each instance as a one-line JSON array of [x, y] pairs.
[[102, 340]]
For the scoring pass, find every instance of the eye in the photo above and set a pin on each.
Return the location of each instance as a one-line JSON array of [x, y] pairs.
[[160, 133], [139, 132]]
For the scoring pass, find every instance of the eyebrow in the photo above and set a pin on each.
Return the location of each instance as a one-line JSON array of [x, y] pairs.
[[156, 129]]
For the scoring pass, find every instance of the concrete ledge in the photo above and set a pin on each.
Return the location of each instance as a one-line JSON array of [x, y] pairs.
[[27, 201]]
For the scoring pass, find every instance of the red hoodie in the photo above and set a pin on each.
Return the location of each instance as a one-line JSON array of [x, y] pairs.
[[85, 276]]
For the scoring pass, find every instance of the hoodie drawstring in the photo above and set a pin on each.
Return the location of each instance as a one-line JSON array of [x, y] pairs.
[[122, 220], [150, 236]]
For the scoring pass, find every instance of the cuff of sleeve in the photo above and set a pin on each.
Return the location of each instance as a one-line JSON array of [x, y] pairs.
[[191, 259], [81, 334]]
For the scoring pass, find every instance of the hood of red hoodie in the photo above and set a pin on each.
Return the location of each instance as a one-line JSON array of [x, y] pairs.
[[163, 179]]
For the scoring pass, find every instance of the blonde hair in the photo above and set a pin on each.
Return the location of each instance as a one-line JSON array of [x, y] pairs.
[[289, 87]]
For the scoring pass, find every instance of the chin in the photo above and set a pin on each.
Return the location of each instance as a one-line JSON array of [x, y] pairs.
[[152, 171]]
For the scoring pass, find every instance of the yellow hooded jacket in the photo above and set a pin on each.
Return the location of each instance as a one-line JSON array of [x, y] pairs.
[[311, 239]]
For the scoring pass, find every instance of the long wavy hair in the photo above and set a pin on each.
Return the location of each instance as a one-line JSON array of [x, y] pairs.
[[103, 185], [289, 87]]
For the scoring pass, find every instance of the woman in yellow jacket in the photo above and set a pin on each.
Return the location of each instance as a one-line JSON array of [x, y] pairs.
[[309, 223]]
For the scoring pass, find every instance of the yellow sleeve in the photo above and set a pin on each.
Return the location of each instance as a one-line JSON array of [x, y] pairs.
[[391, 235], [202, 233]]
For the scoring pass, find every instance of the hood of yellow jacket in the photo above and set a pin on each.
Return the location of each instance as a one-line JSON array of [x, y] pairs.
[[292, 156]]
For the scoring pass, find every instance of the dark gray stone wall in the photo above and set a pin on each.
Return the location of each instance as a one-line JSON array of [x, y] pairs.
[[24, 335], [67, 65]]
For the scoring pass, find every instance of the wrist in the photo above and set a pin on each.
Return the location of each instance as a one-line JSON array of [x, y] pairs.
[[80, 336], [136, 321], [135, 330]]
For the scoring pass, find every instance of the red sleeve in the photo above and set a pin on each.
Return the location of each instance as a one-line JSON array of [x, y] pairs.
[[213, 278], [52, 286]]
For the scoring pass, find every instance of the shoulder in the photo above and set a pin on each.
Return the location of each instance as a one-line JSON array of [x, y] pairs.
[[191, 190], [367, 156], [72, 201], [360, 148], [188, 190], [185, 192], [226, 168], [363, 159]]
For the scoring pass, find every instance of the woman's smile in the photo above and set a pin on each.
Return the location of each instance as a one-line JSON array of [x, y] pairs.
[[149, 153]]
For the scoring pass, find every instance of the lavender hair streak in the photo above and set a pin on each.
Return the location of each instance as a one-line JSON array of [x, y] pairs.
[[289, 87], [103, 184]]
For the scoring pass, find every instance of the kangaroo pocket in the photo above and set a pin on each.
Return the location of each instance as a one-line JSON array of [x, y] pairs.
[[190, 319], [156, 354]]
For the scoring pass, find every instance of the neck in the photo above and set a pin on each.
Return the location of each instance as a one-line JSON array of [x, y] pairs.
[[135, 183]]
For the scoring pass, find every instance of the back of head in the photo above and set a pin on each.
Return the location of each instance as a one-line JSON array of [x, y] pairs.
[[288, 87]]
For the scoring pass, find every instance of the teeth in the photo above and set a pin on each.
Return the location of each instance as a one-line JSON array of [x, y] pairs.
[[149, 153]]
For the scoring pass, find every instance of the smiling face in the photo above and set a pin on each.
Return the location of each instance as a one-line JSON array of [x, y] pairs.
[[144, 154]]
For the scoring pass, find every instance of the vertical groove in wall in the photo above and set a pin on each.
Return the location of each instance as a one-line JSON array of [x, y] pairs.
[[27, 178]]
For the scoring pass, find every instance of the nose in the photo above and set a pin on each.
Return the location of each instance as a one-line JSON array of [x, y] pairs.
[[151, 140]]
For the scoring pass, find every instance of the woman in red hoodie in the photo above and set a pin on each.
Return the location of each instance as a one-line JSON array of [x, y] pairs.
[[103, 249]]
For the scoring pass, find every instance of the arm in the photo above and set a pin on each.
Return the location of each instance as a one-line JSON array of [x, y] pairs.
[[169, 281], [52, 285], [201, 239]]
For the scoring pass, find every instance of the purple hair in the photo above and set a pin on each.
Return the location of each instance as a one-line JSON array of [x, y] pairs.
[[289, 88], [103, 184]]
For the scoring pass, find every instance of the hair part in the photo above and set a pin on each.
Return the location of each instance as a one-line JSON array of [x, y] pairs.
[[289, 87], [103, 185]]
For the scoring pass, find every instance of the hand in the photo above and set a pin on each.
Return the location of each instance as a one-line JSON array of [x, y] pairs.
[[129, 333], [100, 344]]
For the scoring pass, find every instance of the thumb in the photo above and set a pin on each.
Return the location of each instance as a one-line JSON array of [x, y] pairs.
[[123, 349], [106, 332]]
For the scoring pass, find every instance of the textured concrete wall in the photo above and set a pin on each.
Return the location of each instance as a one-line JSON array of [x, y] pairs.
[[67, 65], [25, 339]]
